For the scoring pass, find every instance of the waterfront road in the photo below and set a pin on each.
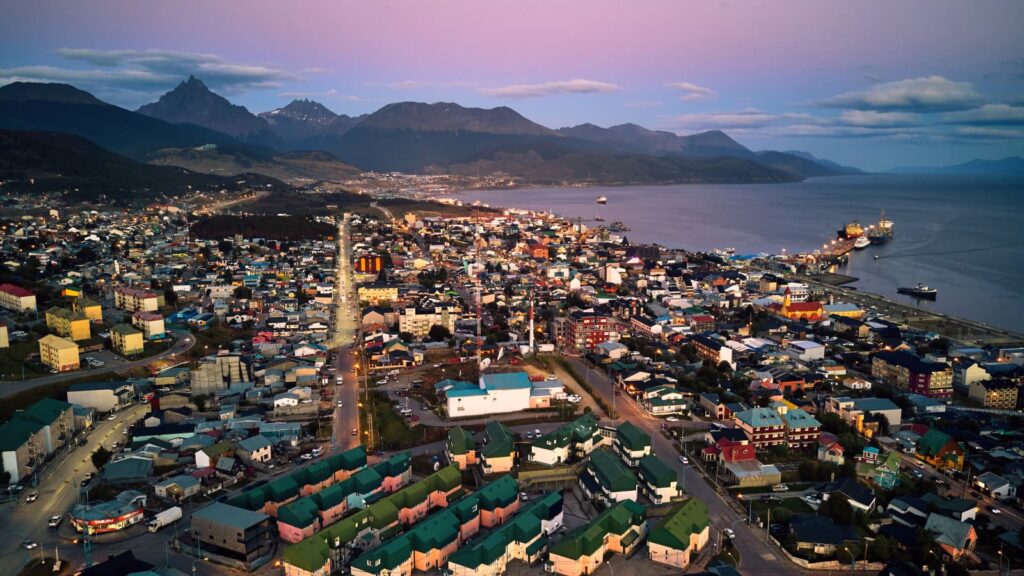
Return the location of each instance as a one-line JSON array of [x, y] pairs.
[[757, 556], [184, 343]]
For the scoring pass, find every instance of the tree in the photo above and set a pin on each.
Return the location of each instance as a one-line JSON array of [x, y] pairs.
[[100, 457], [838, 508], [200, 401], [439, 333]]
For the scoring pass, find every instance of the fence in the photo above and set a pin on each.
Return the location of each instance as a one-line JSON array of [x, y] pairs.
[[554, 475]]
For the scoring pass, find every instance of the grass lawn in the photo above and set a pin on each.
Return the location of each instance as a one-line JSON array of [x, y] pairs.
[[390, 431], [11, 360], [792, 505]]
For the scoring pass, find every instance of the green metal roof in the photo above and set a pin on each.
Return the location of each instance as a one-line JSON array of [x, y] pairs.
[[632, 438], [584, 540], [577, 431], [690, 517], [500, 443], [460, 441], [524, 527], [610, 471], [655, 472]]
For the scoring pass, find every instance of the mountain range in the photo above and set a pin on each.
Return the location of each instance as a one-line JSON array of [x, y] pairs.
[[193, 127], [1009, 166]]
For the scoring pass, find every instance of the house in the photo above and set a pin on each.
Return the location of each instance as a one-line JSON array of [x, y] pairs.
[[680, 535], [806, 350], [955, 537], [208, 456], [612, 350], [570, 442], [712, 349], [177, 488], [606, 479], [908, 511], [884, 473], [819, 534], [619, 529], [995, 486], [461, 448], [960, 509], [254, 449], [859, 497], [940, 450], [751, 474], [657, 481], [497, 454], [829, 449], [863, 414], [631, 443]]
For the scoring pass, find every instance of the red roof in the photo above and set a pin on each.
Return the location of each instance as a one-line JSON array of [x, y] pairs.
[[15, 290], [804, 306]]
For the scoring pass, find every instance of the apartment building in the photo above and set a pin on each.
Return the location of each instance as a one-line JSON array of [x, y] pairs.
[[58, 353], [135, 299], [418, 321], [151, 324], [126, 340], [619, 529], [587, 329], [913, 374], [68, 324], [17, 298]]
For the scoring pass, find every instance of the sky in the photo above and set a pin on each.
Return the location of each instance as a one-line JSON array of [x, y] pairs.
[[872, 83]]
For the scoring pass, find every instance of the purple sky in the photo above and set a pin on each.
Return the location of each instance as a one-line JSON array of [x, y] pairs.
[[871, 83]]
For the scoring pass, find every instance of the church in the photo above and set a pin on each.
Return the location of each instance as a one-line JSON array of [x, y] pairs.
[[810, 311]]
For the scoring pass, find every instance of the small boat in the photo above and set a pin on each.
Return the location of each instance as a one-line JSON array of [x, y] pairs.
[[919, 291], [861, 243], [598, 219], [602, 199]]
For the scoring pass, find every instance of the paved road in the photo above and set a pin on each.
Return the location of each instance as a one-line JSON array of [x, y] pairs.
[[346, 330], [58, 489], [184, 343], [758, 557]]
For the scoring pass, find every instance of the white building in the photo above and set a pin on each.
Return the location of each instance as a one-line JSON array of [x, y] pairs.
[[806, 350], [500, 393]]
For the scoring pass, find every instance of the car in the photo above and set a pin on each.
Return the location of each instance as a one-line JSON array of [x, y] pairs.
[[684, 459], [729, 533], [780, 488], [770, 498], [916, 474], [112, 417], [29, 545], [672, 419], [32, 496], [529, 436], [551, 378], [340, 404], [15, 489], [919, 463], [355, 432], [523, 496], [307, 456], [55, 521], [994, 510], [83, 441], [536, 432], [115, 444]]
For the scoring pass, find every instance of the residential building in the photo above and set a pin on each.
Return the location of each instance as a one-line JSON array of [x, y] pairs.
[[496, 393], [995, 486], [908, 372], [68, 324], [657, 481], [955, 537], [58, 353], [524, 538], [820, 535], [497, 454], [619, 529], [461, 447], [631, 443], [254, 449], [999, 393], [764, 427], [571, 442], [126, 340], [177, 488], [17, 298], [103, 396], [680, 535], [806, 350], [607, 479], [135, 299], [418, 321], [587, 329], [863, 414], [712, 350], [240, 535], [33, 434], [940, 450], [377, 294], [91, 309], [151, 324], [219, 372]]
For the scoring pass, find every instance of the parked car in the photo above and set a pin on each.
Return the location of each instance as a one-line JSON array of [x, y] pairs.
[[672, 419], [684, 459], [32, 496], [55, 521], [29, 544], [729, 533]]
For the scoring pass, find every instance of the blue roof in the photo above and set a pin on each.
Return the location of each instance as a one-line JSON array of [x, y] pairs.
[[507, 381]]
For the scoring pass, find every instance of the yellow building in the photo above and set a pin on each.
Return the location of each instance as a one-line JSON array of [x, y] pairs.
[[4, 341], [134, 299], [151, 324], [68, 324], [58, 353], [127, 340], [1000, 393], [376, 294], [16, 298], [90, 308]]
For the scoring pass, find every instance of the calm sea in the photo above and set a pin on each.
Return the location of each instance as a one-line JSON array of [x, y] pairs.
[[964, 236]]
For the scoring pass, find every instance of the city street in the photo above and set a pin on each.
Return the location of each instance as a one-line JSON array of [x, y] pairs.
[[58, 490], [346, 330]]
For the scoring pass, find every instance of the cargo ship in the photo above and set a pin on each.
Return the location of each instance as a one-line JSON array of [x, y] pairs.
[[919, 291], [851, 231], [882, 232]]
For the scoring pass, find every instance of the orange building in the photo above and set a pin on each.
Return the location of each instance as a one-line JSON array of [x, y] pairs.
[[810, 311]]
